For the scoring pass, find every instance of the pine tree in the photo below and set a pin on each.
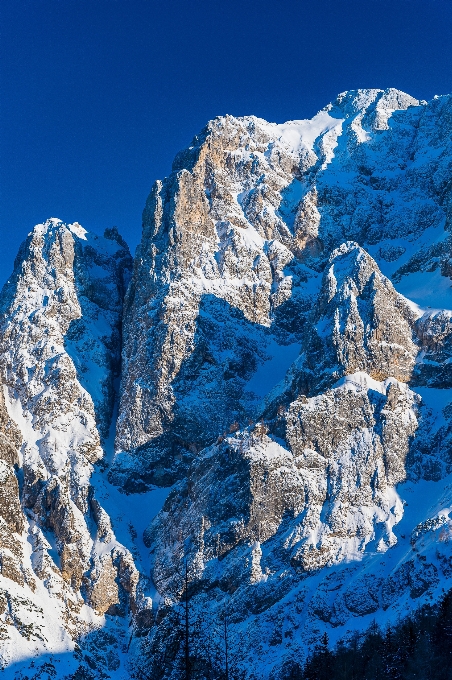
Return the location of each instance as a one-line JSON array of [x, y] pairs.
[[370, 654], [441, 639], [320, 665], [416, 648], [391, 668], [187, 627]]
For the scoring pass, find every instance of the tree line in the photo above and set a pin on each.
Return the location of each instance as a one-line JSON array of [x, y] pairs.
[[418, 647]]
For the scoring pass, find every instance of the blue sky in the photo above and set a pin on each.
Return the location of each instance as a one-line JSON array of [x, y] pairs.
[[97, 96]]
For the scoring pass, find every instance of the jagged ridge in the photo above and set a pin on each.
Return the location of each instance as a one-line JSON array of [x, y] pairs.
[[275, 381]]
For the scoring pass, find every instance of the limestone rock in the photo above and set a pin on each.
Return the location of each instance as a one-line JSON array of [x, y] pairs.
[[60, 340]]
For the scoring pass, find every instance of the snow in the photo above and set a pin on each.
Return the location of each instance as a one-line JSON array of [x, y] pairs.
[[252, 239], [435, 398], [415, 308], [424, 292], [302, 134], [134, 511], [5, 471], [55, 441], [422, 500], [54, 436], [273, 370], [290, 198], [362, 381], [427, 289], [78, 230]]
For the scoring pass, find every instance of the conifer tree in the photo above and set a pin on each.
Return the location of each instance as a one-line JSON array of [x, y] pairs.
[[416, 648]]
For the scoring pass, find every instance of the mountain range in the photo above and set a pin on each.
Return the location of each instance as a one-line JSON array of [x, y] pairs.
[[243, 434]]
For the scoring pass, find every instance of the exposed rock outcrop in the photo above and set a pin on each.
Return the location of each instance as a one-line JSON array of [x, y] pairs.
[[60, 342]]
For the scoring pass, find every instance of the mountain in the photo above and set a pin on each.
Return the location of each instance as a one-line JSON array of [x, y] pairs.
[[252, 421], [61, 565]]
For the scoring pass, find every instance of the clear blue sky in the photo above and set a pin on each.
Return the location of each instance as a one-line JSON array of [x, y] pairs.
[[97, 96]]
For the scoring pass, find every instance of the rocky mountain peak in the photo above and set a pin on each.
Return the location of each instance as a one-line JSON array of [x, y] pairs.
[[373, 105], [293, 256], [361, 322], [59, 360]]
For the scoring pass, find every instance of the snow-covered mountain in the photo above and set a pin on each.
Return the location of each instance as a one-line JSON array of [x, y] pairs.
[[259, 423], [62, 567]]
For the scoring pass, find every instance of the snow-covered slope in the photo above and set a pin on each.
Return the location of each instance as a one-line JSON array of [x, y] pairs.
[[283, 435]]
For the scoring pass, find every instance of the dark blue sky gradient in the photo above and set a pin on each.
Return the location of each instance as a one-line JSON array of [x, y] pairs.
[[97, 96]]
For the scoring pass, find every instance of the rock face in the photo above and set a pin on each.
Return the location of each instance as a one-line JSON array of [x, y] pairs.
[[60, 348], [332, 486], [11, 516], [360, 323], [283, 426], [216, 254], [236, 238]]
